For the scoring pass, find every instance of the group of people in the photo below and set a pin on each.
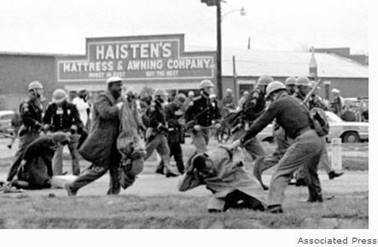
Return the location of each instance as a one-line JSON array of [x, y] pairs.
[[42, 136], [299, 132], [119, 123]]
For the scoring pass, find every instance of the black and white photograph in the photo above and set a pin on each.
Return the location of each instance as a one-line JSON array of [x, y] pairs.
[[188, 114]]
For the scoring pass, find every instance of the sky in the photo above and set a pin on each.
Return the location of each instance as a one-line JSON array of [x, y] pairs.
[[47, 26]]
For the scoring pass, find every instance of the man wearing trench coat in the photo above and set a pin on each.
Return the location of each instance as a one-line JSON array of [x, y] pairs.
[[100, 147], [224, 175]]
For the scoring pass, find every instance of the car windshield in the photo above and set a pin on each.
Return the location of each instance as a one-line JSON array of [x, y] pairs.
[[332, 117]]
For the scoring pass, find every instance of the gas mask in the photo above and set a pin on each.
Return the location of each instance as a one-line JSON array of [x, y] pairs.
[[39, 94]]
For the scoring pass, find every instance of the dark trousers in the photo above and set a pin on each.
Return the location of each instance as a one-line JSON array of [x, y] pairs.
[[239, 200], [176, 152], [94, 172], [58, 157], [25, 140]]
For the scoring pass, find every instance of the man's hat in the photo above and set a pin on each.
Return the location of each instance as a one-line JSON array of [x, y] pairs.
[[113, 79], [35, 85]]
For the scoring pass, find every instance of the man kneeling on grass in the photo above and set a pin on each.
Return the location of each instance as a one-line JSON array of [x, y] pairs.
[[35, 170], [221, 170]]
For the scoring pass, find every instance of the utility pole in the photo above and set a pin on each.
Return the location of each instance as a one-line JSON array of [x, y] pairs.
[[218, 4], [236, 89], [219, 49]]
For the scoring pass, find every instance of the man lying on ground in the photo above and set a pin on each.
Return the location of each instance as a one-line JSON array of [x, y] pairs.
[[221, 170]]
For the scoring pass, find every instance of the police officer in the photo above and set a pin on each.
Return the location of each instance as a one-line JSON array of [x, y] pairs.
[[63, 116], [175, 119], [280, 138], [305, 151], [31, 117], [304, 87], [315, 101], [291, 85], [251, 110], [202, 113], [337, 103], [156, 134]]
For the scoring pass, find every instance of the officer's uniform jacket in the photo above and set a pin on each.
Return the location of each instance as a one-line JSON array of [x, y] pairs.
[[254, 105], [289, 113], [202, 111], [62, 117], [31, 115], [155, 115], [175, 130], [299, 96]]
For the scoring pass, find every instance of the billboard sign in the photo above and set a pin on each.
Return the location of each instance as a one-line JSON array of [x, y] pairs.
[[137, 58]]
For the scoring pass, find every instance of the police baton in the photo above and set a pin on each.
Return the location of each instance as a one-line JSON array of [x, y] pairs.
[[308, 96]]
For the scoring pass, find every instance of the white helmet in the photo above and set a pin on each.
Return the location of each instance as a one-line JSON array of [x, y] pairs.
[[160, 92], [274, 86], [290, 81], [206, 83], [264, 80], [35, 85], [303, 81], [59, 95], [113, 79]]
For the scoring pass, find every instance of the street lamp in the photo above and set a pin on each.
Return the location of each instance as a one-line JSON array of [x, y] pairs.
[[241, 10], [218, 4]]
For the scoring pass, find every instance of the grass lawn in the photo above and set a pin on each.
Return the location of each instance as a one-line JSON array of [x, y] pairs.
[[346, 210], [23, 211]]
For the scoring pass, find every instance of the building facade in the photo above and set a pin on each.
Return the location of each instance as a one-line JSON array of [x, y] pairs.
[[157, 61], [160, 61], [17, 70]]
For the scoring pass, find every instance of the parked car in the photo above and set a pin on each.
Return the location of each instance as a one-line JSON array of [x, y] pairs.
[[6, 122], [349, 132]]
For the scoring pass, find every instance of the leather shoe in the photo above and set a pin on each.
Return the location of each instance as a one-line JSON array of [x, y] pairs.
[[171, 174], [70, 191], [333, 174], [300, 182], [317, 199], [275, 209]]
